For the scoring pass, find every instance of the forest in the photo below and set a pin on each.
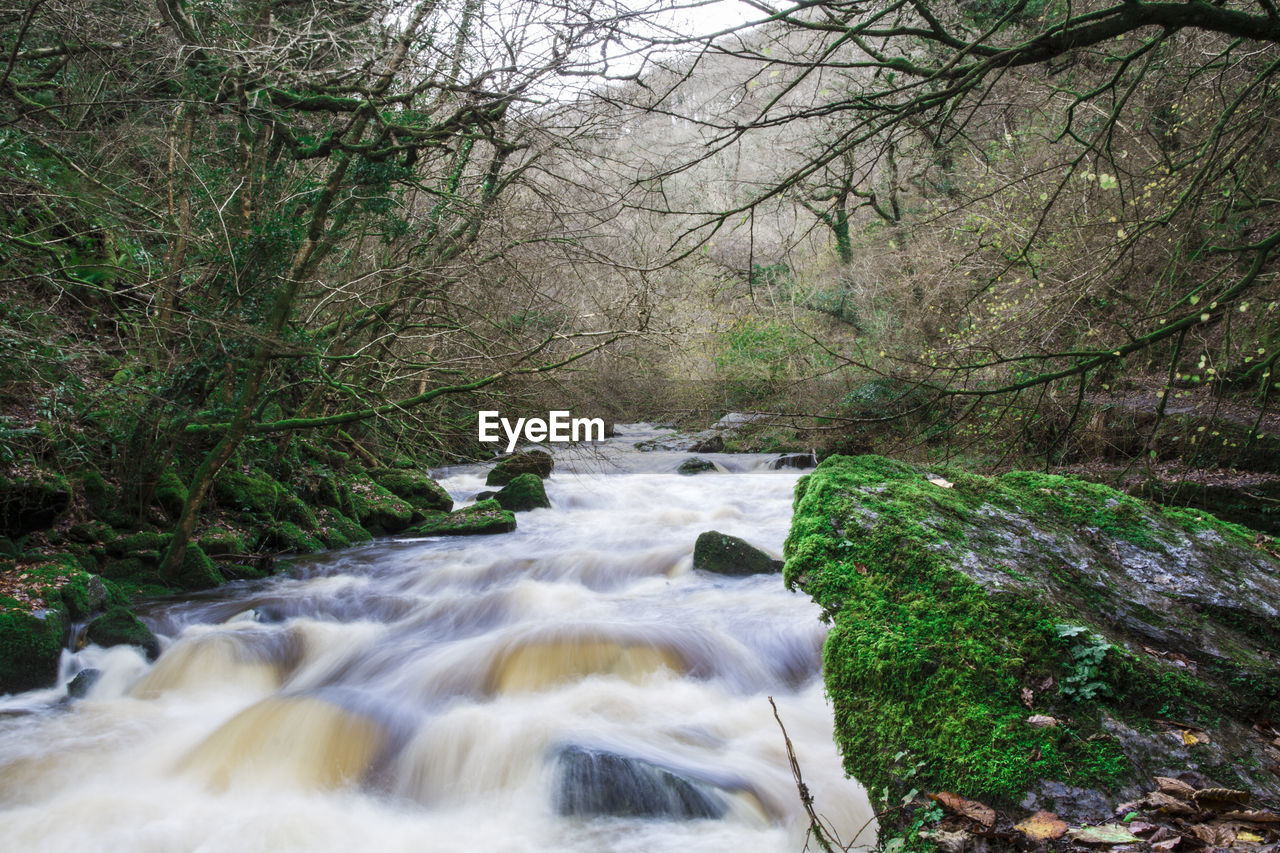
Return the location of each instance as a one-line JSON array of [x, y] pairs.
[[266, 262]]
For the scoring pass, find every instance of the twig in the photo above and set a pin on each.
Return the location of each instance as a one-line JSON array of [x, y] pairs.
[[816, 828]]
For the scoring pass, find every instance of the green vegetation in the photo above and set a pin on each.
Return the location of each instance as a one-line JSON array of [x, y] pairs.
[[934, 674], [480, 519], [523, 493]]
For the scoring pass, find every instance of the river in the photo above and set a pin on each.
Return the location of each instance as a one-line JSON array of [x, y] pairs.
[[571, 686]]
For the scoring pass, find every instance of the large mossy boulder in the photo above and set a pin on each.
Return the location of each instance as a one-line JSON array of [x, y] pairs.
[[537, 462], [417, 489], [31, 502], [375, 507], [524, 493], [481, 518], [260, 494], [695, 465], [728, 555], [119, 627], [31, 644], [1027, 639]]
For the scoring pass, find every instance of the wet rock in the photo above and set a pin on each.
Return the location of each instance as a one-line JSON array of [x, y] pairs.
[[794, 460], [79, 687], [728, 555], [595, 783], [119, 627], [537, 462], [689, 467], [524, 493], [483, 518], [32, 502], [1254, 501], [714, 444]]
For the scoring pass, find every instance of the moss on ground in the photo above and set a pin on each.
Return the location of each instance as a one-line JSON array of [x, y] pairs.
[[930, 672]]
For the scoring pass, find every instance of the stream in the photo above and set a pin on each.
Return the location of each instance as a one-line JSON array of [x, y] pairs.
[[571, 686]]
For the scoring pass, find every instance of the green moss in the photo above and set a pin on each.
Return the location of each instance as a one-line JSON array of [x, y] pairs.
[[170, 493], [119, 627], [136, 544], [287, 536], [339, 531], [524, 492], [532, 462], [198, 571], [217, 541], [925, 668], [30, 646], [482, 517], [419, 490], [259, 494], [376, 508]]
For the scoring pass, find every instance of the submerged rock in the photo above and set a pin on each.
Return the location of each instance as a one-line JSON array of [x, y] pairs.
[[963, 606], [79, 687], [119, 627], [537, 462], [794, 460], [524, 493], [594, 783], [481, 518], [728, 555], [689, 467]]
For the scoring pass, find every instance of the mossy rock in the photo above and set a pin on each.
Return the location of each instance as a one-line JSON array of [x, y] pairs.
[[32, 503], [197, 570], [338, 531], [287, 536], [136, 544], [524, 493], [119, 627], [99, 494], [961, 605], [129, 569], [689, 467], [90, 532], [260, 494], [30, 647], [419, 490], [85, 594], [728, 555], [170, 493], [537, 462], [376, 508], [220, 541], [483, 518]]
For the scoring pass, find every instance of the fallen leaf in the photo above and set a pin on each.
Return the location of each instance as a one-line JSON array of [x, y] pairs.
[[1107, 835], [1164, 804], [1253, 816], [1028, 698], [1214, 836], [982, 815], [1138, 827], [1219, 798], [1251, 837], [1041, 721], [1189, 738], [1175, 787], [1167, 844], [1042, 826], [938, 481]]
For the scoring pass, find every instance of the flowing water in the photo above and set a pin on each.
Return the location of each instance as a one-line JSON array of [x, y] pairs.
[[571, 686]]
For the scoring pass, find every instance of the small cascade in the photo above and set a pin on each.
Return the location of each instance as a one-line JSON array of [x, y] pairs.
[[572, 686]]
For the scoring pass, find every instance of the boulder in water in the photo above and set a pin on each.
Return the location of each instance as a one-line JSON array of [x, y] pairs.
[[595, 783], [711, 444], [119, 627], [524, 493], [482, 518], [793, 460], [963, 606], [418, 490], [537, 462], [689, 467], [728, 555], [30, 646], [79, 687]]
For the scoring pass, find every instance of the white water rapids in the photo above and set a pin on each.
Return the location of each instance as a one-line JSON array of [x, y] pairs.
[[466, 693]]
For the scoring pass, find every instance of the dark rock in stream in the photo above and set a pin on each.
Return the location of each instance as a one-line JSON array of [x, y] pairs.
[[714, 444], [79, 687], [794, 460], [689, 467], [728, 555], [594, 783], [537, 462]]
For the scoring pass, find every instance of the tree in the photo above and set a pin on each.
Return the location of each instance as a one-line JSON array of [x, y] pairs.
[[1104, 174]]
